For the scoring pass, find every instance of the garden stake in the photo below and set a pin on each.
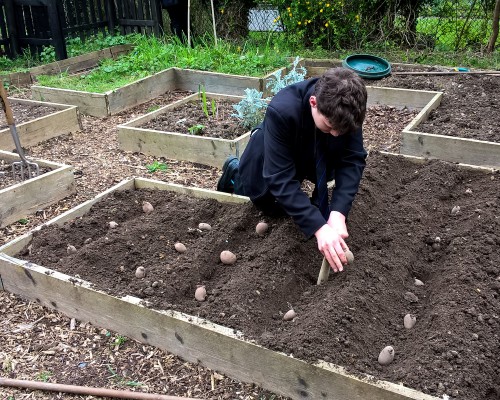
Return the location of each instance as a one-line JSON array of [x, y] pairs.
[[94, 391], [24, 166], [189, 23], [213, 21], [324, 272]]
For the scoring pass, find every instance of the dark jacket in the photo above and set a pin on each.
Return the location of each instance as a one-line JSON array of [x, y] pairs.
[[281, 155]]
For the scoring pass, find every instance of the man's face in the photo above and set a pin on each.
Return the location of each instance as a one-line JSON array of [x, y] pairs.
[[320, 120]]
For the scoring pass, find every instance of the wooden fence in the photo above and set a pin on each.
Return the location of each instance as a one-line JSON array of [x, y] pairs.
[[32, 24]]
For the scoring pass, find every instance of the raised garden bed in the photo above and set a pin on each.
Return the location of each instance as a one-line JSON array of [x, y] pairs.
[[401, 227], [70, 65], [128, 96], [449, 148], [146, 134], [136, 136], [37, 121], [23, 198]]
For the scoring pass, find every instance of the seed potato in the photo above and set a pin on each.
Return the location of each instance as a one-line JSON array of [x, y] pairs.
[[386, 355], [202, 226], [289, 315], [147, 207], [71, 249], [261, 228], [113, 224], [201, 293], [418, 282], [140, 272], [409, 321], [227, 257], [349, 256], [180, 247]]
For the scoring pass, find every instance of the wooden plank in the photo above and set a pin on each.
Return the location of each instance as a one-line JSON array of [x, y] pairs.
[[423, 115], [191, 338], [399, 98], [17, 244], [24, 198], [201, 149], [95, 104], [449, 148], [17, 78], [81, 62], [40, 129], [141, 91], [190, 79], [194, 339], [145, 183]]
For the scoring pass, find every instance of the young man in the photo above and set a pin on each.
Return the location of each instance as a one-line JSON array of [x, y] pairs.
[[311, 130]]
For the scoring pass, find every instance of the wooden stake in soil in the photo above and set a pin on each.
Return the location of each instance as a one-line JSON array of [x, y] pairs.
[[213, 21], [324, 272]]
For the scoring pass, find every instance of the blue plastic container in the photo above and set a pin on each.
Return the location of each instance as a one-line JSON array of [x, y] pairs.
[[367, 66]]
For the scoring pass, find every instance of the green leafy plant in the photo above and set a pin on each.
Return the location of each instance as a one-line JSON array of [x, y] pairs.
[[156, 166], [276, 82], [121, 380], [251, 109], [43, 376], [118, 341], [204, 103], [196, 129], [23, 221], [152, 108]]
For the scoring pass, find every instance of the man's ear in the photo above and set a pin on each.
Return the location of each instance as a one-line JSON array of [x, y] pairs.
[[312, 101]]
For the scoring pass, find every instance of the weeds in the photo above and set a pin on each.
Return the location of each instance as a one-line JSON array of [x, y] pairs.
[[156, 166], [196, 129], [43, 376], [121, 379]]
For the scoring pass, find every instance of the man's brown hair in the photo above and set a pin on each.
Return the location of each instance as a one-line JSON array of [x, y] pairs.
[[341, 97]]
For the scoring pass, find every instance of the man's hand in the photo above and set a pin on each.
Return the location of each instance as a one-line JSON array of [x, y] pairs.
[[332, 246], [337, 222]]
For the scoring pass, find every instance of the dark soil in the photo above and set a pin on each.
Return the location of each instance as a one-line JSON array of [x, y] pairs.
[[190, 115], [470, 107], [25, 112], [9, 177], [401, 227]]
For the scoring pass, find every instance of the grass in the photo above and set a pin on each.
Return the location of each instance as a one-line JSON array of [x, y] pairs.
[[151, 55], [74, 47]]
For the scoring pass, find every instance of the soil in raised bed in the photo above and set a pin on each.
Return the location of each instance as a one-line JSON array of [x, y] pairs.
[[382, 127], [470, 107], [26, 112], [9, 177], [405, 224], [190, 114]]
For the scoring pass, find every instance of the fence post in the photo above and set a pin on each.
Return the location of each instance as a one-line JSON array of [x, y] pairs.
[[111, 14], [11, 27], [56, 29]]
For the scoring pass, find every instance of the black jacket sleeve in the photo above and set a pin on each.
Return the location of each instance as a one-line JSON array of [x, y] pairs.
[[279, 172]]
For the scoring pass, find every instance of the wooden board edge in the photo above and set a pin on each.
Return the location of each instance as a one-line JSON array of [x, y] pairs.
[[194, 339], [422, 160], [146, 183], [423, 115]]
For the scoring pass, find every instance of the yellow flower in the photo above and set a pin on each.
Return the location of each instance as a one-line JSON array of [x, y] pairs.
[[328, 4], [222, 11], [326, 24], [290, 14], [321, 10], [299, 23], [288, 8], [357, 18]]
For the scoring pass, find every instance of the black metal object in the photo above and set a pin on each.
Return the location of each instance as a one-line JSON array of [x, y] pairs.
[[32, 24]]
